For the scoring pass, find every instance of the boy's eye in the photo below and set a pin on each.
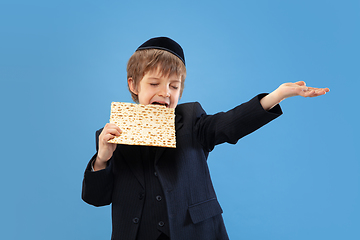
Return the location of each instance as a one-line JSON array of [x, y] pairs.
[[154, 84], [175, 87]]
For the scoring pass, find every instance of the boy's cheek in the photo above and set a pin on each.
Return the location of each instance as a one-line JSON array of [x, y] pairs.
[[173, 105]]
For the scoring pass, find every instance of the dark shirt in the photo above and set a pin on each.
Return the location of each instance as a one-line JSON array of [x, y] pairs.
[[154, 219]]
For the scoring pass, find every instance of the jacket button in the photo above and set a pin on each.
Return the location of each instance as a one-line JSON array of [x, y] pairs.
[[135, 220], [158, 198], [155, 173], [161, 223], [141, 196]]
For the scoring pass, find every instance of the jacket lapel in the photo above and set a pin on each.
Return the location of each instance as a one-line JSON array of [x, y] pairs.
[[133, 157], [178, 122]]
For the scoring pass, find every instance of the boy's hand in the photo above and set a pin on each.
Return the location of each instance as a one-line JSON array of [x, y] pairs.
[[106, 149], [287, 90]]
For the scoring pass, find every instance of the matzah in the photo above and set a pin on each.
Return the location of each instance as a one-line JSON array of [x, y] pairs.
[[150, 125]]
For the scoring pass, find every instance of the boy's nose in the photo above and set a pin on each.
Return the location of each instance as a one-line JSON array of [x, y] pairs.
[[164, 92]]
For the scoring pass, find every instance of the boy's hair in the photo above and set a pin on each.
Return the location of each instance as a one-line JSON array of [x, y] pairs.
[[147, 60]]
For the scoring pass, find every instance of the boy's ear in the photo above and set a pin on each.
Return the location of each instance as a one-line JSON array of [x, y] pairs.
[[132, 86]]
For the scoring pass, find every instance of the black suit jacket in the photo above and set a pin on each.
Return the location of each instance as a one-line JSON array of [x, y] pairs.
[[193, 210]]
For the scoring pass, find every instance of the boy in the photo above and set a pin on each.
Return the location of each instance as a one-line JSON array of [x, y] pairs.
[[163, 193]]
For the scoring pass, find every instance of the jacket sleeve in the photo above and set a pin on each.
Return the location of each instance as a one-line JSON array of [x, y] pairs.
[[232, 125], [97, 186]]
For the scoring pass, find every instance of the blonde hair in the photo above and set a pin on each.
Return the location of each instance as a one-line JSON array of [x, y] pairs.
[[147, 60]]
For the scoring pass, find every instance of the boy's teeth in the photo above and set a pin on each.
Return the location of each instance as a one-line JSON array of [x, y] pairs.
[[157, 103]]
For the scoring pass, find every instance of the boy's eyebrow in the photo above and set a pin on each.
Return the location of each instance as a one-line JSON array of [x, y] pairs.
[[175, 80], [172, 80], [156, 78]]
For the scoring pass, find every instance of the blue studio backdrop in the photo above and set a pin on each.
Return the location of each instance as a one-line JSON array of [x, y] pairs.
[[63, 62]]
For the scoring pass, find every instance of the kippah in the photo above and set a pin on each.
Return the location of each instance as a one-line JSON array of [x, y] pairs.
[[164, 43]]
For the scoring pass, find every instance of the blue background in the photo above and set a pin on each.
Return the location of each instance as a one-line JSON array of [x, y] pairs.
[[63, 62]]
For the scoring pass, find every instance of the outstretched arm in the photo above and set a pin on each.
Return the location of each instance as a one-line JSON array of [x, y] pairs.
[[287, 90]]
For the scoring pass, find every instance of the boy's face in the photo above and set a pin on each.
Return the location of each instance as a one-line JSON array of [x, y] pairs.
[[154, 88]]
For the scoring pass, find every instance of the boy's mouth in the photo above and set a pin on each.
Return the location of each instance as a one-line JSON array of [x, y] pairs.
[[161, 103]]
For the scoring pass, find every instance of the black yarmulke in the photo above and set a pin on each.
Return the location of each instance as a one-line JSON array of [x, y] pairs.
[[164, 43]]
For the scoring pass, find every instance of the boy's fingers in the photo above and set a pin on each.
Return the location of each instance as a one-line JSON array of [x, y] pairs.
[[109, 133], [305, 89], [108, 137], [114, 131], [111, 126], [307, 92], [301, 83]]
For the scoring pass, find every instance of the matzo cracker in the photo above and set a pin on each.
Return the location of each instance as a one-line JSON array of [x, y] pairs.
[[150, 125]]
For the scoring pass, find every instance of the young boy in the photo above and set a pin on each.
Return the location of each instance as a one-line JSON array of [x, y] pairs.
[[166, 193]]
